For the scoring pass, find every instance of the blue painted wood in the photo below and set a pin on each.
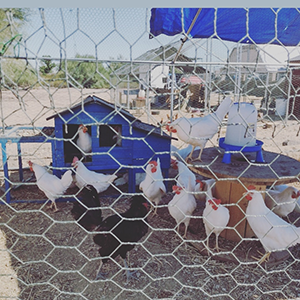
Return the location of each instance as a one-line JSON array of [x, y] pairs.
[[20, 162], [5, 170], [18, 140], [138, 146]]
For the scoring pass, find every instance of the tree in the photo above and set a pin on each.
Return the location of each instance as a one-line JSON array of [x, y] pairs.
[[88, 73], [12, 18], [47, 66], [15, 72]]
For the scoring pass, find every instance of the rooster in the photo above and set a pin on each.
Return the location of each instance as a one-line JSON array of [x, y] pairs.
[[127, 228], [283, 202], [51, 185], [87, 211], [84, 141], [152, 186], [84, 176], [197, 131], [205, 188], [215, 218], [182, 206], [274, 233], [185, 175]]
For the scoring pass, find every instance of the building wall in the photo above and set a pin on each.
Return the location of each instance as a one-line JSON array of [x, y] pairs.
[[153, 75]]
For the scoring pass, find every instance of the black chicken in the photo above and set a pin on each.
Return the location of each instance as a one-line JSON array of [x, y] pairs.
[[127, 228], [87, 211]]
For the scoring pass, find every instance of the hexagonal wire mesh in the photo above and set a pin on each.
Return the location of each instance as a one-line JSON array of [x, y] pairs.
[[63, 68]]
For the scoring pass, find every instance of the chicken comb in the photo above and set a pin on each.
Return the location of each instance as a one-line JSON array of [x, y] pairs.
[[174, 188], [217, 201], [201, 183], [251, 187], [177, 189], [153, 162], [75, 159], [214, 203]]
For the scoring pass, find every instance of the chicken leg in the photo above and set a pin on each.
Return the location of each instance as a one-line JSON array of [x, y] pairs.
[[217, 243], [191, 153], [129, 275], [200, 153], [265, 257], [100, 274], [53, 204]]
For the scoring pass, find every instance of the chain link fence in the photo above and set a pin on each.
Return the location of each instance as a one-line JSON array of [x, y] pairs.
[[104, 69]]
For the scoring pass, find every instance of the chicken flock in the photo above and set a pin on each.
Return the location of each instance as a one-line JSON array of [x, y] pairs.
[[117, 234]]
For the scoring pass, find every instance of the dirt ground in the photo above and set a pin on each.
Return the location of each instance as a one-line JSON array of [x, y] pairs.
[[47, 255], [54, 258]]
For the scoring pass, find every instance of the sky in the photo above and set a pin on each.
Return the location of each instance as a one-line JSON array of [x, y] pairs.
[[96, 30], [101, 32], [105, 33], [153, 3]]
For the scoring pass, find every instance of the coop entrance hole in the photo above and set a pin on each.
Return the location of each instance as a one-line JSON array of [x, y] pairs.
[[110, 135], [70, 137]]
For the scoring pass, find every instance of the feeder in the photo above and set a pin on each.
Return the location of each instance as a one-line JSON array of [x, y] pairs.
[[241, 132]]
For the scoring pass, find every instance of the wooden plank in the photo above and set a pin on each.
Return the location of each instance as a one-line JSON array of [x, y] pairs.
[[231, 192], [233, 195]]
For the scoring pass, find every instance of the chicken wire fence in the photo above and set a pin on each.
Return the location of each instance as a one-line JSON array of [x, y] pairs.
[[54, 64]]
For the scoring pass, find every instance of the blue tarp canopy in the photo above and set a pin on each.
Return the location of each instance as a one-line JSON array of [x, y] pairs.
[[253, 25]]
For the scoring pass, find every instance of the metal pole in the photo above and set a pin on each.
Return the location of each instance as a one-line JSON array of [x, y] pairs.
[[5, 170], [127, 95], [172, 91], [267, 93], [288, 96]]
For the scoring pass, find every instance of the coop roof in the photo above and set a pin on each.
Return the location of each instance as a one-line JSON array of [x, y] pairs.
[[136, 123]]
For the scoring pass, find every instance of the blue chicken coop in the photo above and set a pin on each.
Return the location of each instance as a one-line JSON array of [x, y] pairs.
[[119, 140]]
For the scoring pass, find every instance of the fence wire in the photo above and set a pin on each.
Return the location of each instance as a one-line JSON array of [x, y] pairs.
[[97, 67]]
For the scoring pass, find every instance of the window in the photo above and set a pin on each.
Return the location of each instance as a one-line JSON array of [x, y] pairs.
[[110, 135]]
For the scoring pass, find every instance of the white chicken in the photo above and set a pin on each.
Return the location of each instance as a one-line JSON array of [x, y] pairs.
[[118, 134], [197, 131], [274, 233], [51, 185], [282, 187], [84, 141], [215, 218], [182, 206], [282, 202], [185, 175], [84, 176], [139, 177], [205, 188], [152, 186]]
